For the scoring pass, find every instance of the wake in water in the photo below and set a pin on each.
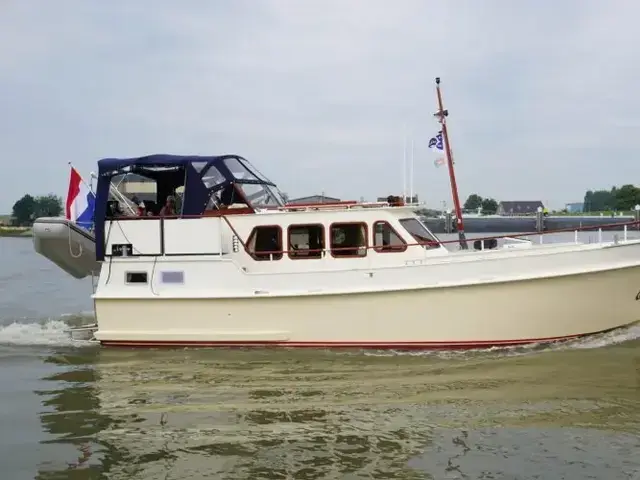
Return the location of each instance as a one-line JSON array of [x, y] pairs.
[[614, 337], [53, 332], [50, 332]]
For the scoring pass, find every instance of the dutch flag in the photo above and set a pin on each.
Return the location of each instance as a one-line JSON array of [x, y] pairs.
[[81, 201]]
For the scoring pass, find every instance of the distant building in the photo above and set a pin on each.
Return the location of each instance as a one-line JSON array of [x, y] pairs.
[[312, 199], [519, 208], [577, 207]]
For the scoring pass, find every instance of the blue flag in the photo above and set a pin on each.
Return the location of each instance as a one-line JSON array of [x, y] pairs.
[[437, 145]]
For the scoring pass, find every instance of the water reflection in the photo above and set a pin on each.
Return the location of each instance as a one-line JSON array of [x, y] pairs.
[[313, 414], [74, 418]]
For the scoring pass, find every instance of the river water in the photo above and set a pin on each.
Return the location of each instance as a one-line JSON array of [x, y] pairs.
[[569, 411]]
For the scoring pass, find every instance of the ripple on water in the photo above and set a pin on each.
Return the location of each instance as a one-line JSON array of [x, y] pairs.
[[334, 414], [527, 453], [315, 414]]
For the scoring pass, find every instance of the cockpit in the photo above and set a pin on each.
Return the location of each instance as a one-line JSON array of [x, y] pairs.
[[178, 187], [170, 185]]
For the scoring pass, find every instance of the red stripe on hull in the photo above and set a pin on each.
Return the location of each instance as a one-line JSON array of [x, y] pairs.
[[360, 345]]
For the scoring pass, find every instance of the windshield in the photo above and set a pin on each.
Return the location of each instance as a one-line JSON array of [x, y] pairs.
[[238, 170], [420, 233], [261, 195], [257, 193]]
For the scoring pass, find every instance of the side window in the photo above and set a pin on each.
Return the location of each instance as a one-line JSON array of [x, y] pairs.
[[306, 241], [386, 239], [212, 177], [136, 277], [132, 195], [349, 239], [420, 233], [265, 243]]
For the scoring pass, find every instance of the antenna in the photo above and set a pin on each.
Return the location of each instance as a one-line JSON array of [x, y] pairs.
[[404, 167], [411, 174]]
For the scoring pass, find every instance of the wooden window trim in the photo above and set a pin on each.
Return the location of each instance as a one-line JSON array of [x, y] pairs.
[[388, 249], [366, 239], [275, 256], [298, 225]]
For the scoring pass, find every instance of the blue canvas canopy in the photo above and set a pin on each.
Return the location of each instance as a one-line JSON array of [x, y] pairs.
[[201, 176], [159, 159]]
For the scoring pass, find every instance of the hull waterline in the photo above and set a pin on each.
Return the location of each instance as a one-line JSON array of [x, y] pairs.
[[466, 317], [354, 345]]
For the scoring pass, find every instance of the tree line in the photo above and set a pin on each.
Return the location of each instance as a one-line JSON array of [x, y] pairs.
[[621, 198], [474, 201], [624, 198], [28, 208]]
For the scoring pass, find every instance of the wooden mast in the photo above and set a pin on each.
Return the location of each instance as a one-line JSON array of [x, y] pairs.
[[441, 115]]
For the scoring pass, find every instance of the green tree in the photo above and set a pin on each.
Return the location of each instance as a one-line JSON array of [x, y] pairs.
[[23, 210], [28, 208], [489, 206], [599, 200], [474, 201], [587, 201], [626, 197], [48, 206]]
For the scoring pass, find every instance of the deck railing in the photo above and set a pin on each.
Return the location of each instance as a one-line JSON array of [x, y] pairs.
[[599, 228]]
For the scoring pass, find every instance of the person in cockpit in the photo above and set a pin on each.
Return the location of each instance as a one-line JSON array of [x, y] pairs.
[[169, 208]]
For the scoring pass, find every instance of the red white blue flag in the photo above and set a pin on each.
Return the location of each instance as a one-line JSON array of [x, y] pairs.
[[81, 201]]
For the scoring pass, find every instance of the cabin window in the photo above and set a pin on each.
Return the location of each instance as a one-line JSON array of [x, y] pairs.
[[349, 239], [136, 277], [259, 195], [420, 233], [386, 239], [198, 166], [265, 243], [306, 241], [132, 195], [212, 177]]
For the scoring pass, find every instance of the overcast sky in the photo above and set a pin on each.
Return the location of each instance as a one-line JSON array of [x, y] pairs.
[[543, 96]]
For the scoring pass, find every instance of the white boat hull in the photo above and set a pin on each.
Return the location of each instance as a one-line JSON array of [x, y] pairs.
[[472, 316], [237, 267], [68, 246]]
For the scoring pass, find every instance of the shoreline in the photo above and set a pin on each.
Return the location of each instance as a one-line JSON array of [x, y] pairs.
[[16, 232]]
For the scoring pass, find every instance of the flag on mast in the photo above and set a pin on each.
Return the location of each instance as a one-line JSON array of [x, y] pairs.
[[81, 202], [437, 145]]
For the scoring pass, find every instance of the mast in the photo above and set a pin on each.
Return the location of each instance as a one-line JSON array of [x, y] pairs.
[[442, 114]]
